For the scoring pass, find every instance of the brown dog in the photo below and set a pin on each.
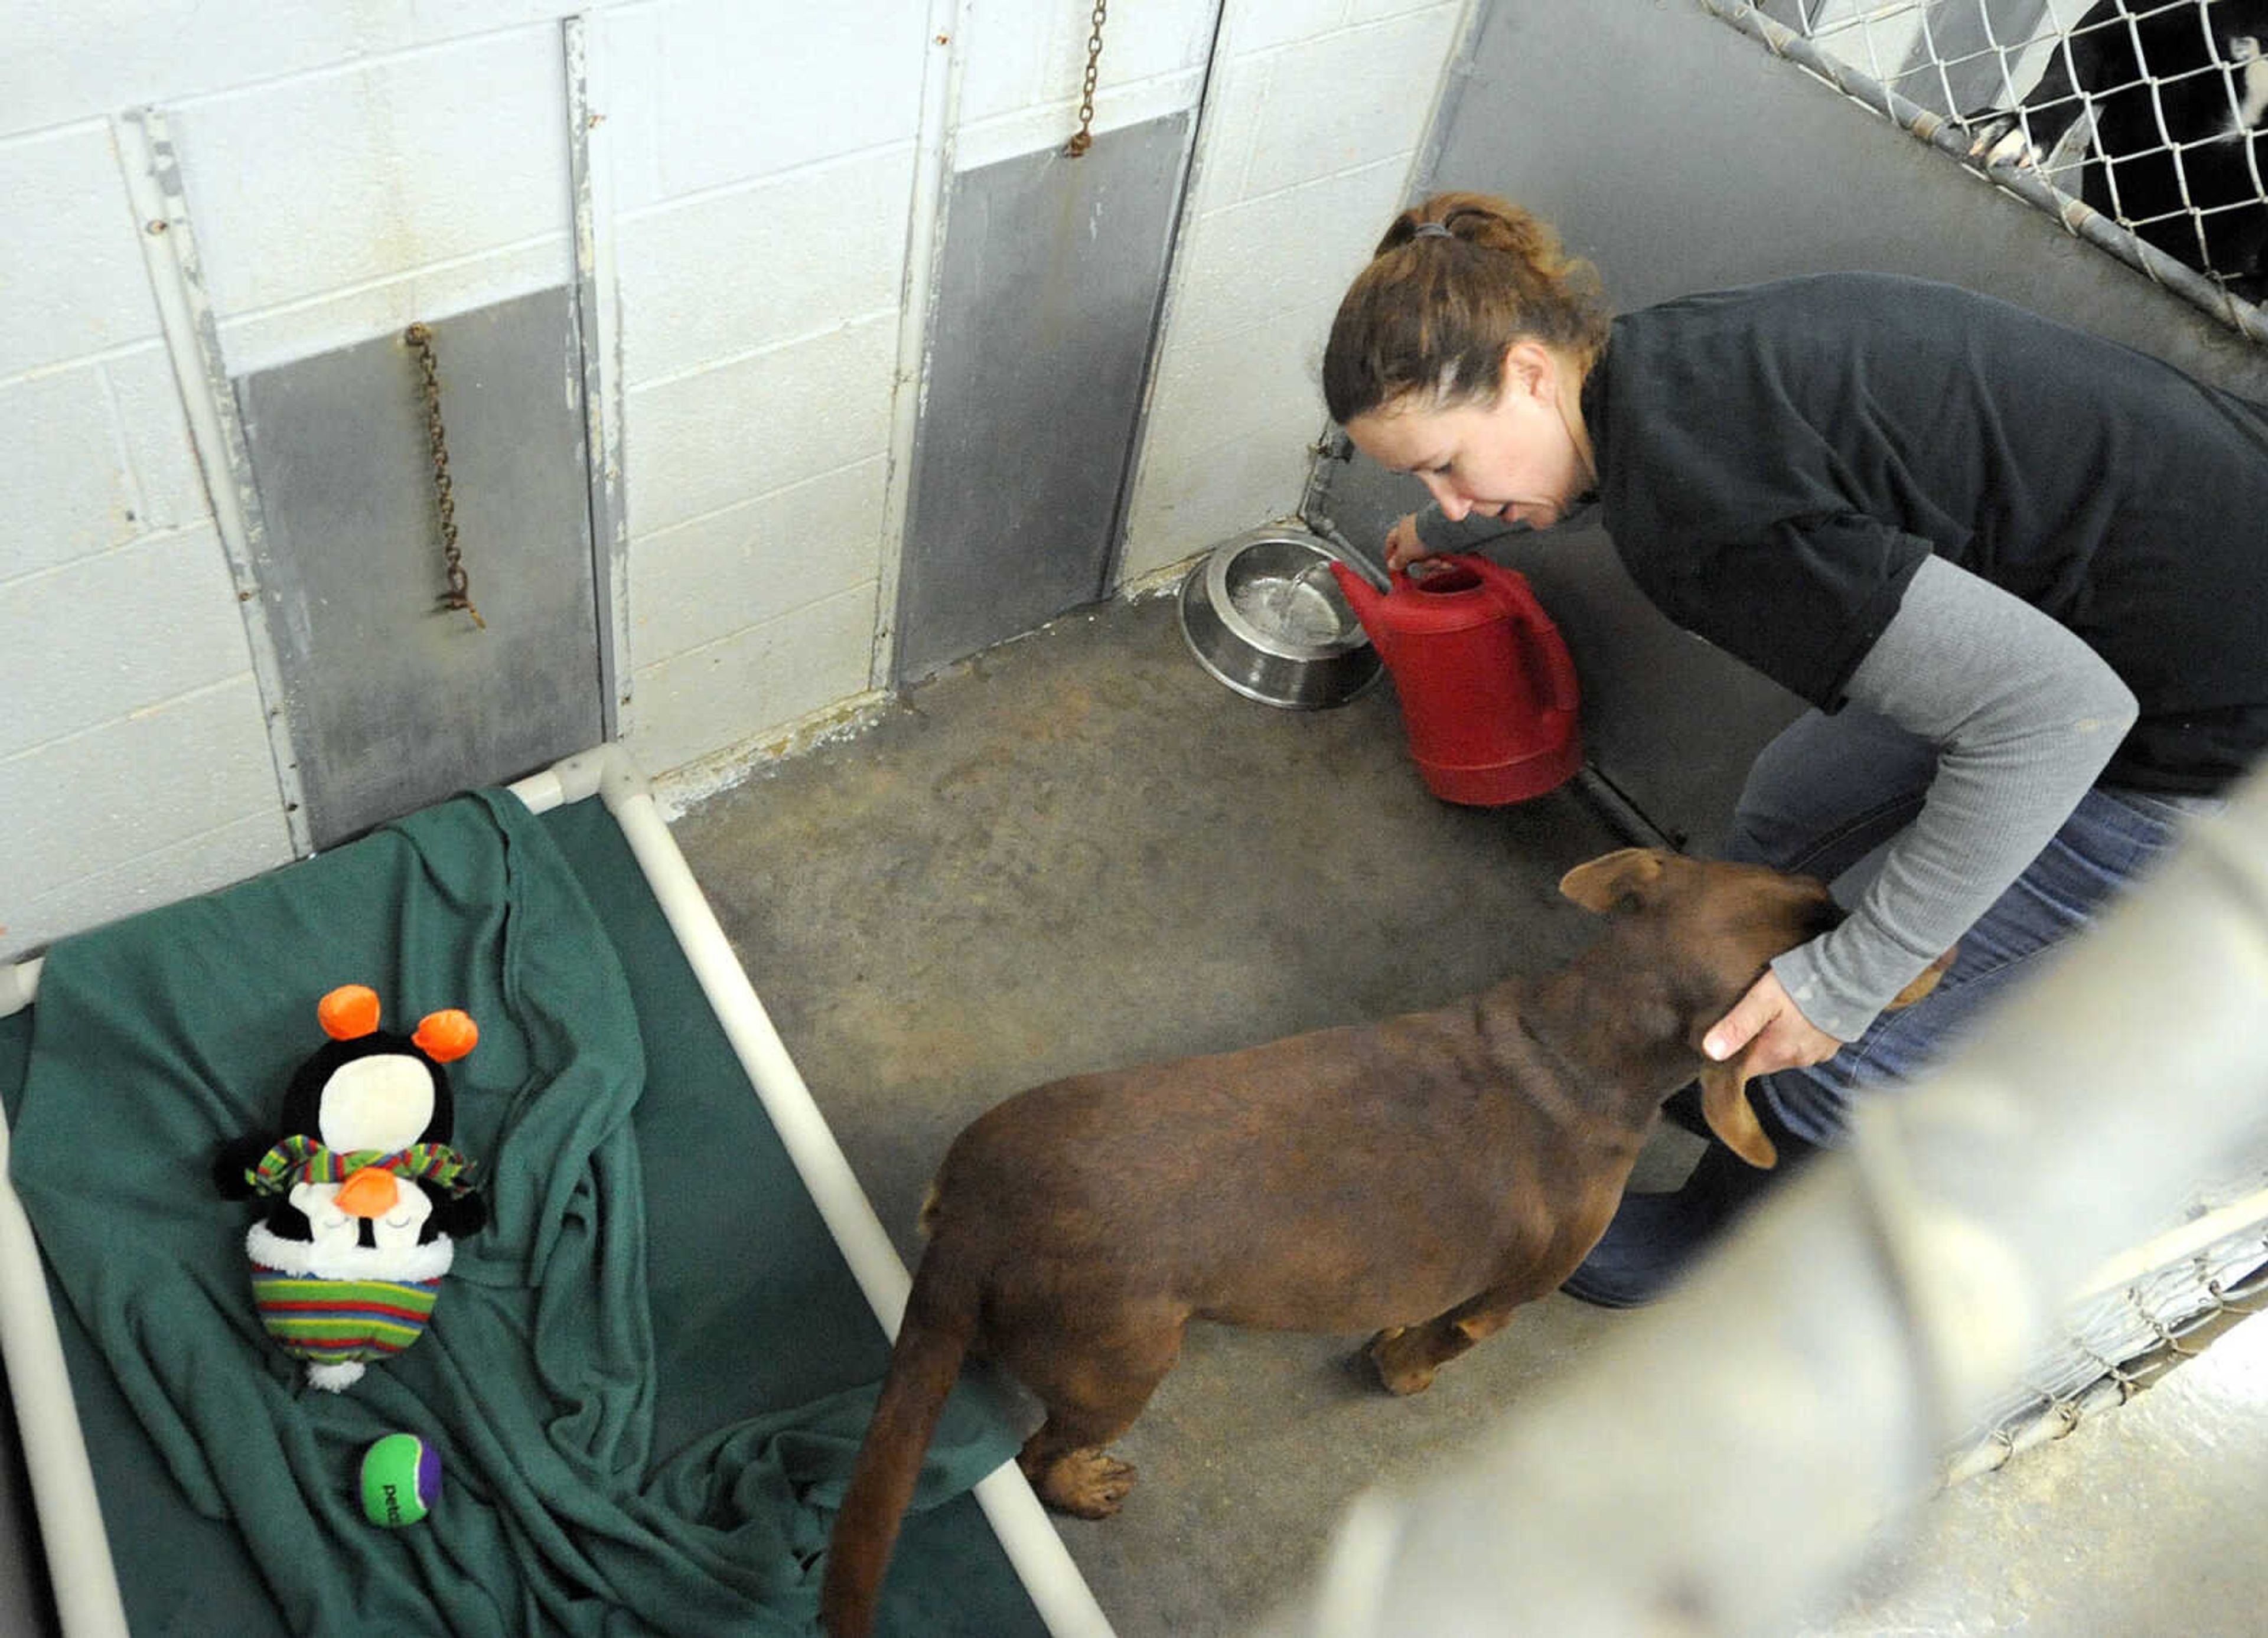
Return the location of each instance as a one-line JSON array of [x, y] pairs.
[[1418, 1178]]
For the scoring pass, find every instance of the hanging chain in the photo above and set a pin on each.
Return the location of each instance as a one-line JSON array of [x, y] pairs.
[[459, 594], [1085, 140]]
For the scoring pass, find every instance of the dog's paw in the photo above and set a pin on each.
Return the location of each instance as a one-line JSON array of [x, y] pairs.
[[1399, 1356], [2002, 140], [2014, 149], [1085, 1483]]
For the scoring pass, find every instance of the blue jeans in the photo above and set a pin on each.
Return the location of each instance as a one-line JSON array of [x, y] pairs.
[[1827, 795]]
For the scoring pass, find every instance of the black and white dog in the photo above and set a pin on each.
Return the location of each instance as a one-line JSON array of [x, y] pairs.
[[2178, 92]]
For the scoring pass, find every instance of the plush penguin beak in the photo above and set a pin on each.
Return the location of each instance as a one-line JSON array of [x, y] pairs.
[[368, 1192]]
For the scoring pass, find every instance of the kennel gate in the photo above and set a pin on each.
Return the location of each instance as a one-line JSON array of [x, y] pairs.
[[1992, 84]]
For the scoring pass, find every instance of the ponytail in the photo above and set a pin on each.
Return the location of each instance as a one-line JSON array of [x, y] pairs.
[[1454, 282]]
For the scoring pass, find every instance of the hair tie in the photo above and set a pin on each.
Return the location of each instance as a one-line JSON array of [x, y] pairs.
[[1431, 230]]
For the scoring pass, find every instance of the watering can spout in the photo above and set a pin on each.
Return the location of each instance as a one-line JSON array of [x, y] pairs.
[[1368, 603]]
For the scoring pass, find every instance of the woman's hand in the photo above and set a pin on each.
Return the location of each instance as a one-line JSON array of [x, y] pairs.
[[1402, 545], [1772, 1027]]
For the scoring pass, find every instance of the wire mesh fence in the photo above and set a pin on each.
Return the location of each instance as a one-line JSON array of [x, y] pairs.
[[2142, 125], [2161, 1302]]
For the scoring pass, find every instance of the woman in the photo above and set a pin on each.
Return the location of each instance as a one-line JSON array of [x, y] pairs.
[[2018, 572]]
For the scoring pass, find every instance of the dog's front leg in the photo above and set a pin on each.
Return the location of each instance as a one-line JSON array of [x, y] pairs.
[[1407, 1356]]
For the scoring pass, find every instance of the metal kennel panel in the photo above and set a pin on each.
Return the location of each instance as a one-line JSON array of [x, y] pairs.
[[395, 699], [2140, 125], [1047, 300]]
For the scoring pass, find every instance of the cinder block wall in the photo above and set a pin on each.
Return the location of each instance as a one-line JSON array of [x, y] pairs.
[[766, 180], [134, 761], [763, 164], [1307, 149]]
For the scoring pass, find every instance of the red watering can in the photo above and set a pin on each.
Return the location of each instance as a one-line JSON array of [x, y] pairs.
[[1488, 691]]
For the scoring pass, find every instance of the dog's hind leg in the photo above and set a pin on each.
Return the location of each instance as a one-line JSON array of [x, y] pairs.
[[1094, 1386], [1071, 1471], [1407, 1356]]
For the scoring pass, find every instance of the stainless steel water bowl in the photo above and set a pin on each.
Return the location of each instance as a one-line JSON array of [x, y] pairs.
[[1263, 614]]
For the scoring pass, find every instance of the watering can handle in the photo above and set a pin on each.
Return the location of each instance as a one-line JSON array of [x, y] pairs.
[[1560, 690], [1559, 669]]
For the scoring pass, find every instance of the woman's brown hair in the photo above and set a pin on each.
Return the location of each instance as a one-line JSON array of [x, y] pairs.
[[1454, 282]]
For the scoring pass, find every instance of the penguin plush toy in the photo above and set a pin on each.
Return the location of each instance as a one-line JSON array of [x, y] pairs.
[[369, 1198]]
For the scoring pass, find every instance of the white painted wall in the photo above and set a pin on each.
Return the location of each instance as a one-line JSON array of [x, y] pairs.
[[767, 173], [1317, 118], [133, 763], [763, 173], [770, 297]]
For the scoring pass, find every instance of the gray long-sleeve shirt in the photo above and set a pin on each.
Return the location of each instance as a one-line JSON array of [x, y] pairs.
[[2024, 717]]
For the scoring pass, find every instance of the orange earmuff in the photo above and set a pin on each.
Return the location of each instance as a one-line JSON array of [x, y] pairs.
[[349, 1012], [445, 1037]]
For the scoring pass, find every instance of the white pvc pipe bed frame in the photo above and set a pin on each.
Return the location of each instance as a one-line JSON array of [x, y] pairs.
[[62, 1481], [84, 1581]]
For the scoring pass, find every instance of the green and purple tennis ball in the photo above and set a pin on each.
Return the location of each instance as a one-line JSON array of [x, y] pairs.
[[400, 1480]]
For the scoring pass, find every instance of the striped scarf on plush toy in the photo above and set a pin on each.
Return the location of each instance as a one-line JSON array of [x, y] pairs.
[[303, 1159]]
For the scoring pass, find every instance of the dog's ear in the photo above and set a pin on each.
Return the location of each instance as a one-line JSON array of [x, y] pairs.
[[1617, 881], [1924, 981], [1725, 1106]]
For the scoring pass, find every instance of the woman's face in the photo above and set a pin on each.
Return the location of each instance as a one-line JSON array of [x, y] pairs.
[[1519, 457]]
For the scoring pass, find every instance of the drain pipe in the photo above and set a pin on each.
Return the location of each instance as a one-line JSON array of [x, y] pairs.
[[1333, 449], [1727, 1462]]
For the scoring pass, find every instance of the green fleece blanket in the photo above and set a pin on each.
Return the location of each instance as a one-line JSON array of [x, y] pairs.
[[156, 1039]]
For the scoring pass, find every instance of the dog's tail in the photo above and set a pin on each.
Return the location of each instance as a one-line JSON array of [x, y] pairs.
[[932, 1339]]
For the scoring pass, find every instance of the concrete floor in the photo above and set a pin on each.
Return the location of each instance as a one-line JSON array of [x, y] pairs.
[[1079, 851]]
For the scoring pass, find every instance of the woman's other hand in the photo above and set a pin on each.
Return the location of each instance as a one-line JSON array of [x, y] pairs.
[[1773, 1028], [1402, 545]]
